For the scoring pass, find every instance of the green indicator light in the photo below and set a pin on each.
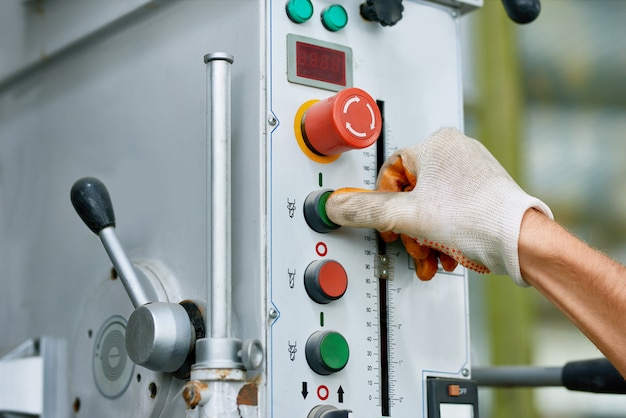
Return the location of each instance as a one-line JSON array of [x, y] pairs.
[[334, 351], [321, 208], [334, 18], [299, 11]]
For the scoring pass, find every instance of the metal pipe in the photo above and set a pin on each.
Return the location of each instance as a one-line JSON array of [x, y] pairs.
[[124, 267], [518, 376], [218, 132]]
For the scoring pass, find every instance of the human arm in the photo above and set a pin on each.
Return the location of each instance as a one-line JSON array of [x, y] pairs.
[[586, 285], [449, 191]]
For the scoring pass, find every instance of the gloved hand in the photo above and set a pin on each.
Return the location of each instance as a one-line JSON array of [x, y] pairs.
[[448, 194]]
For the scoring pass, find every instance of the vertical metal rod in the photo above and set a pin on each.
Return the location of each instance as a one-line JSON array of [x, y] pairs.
[[218, 132]]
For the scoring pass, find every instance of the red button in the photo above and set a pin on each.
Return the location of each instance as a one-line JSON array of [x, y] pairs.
[[348, 120], [325, 281], [333, 279]]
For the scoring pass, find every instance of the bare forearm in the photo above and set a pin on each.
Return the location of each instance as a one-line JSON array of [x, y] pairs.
[[586, 285]]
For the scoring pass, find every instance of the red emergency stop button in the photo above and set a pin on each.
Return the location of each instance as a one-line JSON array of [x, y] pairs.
[[325, 281], [348, 120]]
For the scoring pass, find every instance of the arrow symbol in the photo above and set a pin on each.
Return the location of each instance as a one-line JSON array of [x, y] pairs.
[[354, 131], [305, 392], [340, 393], [351, 100]]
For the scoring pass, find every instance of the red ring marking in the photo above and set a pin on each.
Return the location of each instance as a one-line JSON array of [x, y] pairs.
[[322, 392], [321, 249]]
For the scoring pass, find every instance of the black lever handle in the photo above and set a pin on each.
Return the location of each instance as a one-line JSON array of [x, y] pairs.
[[596, 375], [92, 202], [522, 11]]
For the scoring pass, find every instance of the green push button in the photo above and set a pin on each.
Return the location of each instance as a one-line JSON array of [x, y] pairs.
[[334, 18], [334, 351], [299, 11], [327, 352], [315, 211]]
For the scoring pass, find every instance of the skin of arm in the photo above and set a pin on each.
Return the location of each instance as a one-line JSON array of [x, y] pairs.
[[586, 285]]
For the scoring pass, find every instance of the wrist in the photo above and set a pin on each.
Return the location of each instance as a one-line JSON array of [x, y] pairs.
[[512, 210], [533, 243]]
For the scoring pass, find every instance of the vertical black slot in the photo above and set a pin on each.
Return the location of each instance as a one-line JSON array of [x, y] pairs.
[[383, 321]]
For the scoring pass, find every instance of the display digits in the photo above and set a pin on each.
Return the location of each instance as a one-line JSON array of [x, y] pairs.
[[322, 64]]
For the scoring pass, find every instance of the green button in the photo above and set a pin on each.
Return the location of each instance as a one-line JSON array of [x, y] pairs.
[[334, 351], [334, 18], [321, 207], [299, 11]]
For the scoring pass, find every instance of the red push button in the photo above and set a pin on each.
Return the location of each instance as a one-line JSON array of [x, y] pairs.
[[348, 120], [325, 281]]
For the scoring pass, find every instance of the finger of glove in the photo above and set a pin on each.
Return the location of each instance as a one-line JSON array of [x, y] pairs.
[[427, 268], [415, 250], [383, 211], [389, 236], [447, 263], [394, 176]]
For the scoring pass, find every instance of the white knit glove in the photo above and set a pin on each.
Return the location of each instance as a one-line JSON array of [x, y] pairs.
[[455, 198]]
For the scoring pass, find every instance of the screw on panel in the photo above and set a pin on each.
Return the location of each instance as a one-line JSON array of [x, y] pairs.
[[273, 314], [465, 372], [272, 121]]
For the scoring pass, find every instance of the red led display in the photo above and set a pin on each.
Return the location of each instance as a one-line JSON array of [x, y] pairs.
[[321, 64]]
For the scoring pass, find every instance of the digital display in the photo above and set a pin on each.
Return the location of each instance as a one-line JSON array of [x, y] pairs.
[[321, 64]]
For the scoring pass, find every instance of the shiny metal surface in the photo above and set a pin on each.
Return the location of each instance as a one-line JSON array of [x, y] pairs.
[[137, 293], [159, 336], [219, 137]]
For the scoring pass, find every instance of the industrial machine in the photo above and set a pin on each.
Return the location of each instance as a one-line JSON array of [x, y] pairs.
[[199, 140]]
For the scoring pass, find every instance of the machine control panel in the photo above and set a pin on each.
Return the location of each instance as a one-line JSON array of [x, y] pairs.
[[356, 333]]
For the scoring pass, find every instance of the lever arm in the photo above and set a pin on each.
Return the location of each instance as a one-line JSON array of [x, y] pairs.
[[92, 202]]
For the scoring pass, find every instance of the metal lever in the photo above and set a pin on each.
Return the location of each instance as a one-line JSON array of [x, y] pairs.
[[92, 202], [596, 375], [159, 335]]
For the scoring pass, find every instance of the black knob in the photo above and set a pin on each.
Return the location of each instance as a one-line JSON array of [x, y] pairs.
[[385, 12], [92, 202], [328, 411], [522, 11]]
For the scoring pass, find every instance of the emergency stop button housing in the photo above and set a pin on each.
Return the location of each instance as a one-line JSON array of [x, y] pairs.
[[348, 120]]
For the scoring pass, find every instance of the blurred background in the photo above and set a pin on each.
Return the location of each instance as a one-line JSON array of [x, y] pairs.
[[549, 100]]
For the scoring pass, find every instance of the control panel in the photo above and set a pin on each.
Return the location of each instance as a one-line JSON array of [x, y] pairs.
[[354, 331]]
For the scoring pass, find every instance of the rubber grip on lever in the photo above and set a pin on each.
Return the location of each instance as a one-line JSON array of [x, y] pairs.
[[522, 11], [92, 202], [597, 376]]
